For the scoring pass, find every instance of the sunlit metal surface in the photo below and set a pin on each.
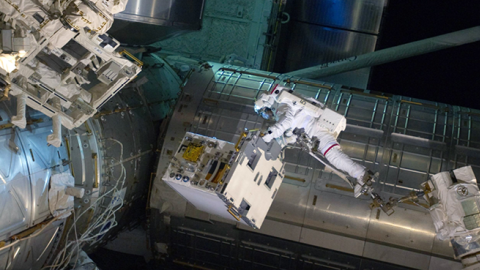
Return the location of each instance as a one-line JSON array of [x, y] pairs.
[[221, 246], [147, 21], [404, 139], [26, 166], [359, 15], [162, 12], [324, 31], [28, 162]]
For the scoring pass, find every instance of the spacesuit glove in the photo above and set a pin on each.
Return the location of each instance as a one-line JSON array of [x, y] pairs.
[[268, 138], [289, 133], [363, 185], [357, 190], [291, 139]]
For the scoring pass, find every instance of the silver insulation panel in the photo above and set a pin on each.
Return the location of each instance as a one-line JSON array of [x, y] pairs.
[[27, 162]]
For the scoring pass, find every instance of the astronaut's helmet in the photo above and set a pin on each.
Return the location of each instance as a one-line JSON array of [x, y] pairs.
[[263, 106], [266, 113]]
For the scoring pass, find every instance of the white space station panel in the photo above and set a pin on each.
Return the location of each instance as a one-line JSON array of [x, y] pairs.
[[56, 57], [237, 182]]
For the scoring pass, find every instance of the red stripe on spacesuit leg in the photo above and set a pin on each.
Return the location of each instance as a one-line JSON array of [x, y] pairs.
[[329, 149], [274, 89]]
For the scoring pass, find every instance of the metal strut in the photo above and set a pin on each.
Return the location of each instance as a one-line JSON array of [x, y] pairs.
[[391, 54]]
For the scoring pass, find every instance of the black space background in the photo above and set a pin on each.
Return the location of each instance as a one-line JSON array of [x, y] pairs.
[[449, 76]]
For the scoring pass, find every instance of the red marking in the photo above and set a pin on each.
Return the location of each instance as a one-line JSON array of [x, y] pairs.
[[329, 149], [274, 89]]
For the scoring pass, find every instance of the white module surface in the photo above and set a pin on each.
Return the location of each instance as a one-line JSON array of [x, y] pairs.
[[237, 182], [64, 66]]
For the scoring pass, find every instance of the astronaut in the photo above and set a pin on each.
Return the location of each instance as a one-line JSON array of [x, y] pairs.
[[296, 113]]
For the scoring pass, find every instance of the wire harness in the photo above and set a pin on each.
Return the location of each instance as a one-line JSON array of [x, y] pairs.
[[97, 228]]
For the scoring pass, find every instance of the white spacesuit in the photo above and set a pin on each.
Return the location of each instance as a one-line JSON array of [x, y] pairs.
[[292, 113]]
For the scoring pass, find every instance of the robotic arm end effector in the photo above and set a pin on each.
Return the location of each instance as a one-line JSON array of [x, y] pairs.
[[364, 183], [387, 207], [364, 186]]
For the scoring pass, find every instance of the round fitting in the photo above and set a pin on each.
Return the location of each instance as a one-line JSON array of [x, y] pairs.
[[211, 144], [462, 191], [178, 176], [186, 179]]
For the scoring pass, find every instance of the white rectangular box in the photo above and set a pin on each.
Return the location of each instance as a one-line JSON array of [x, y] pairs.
[[237, 182]]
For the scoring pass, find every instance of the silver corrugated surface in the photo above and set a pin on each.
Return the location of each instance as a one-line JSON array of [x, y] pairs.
[[27, 163], [26, 166], [405, 139]]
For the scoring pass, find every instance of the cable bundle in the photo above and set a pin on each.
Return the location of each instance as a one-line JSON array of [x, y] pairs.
[[73, 247]]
